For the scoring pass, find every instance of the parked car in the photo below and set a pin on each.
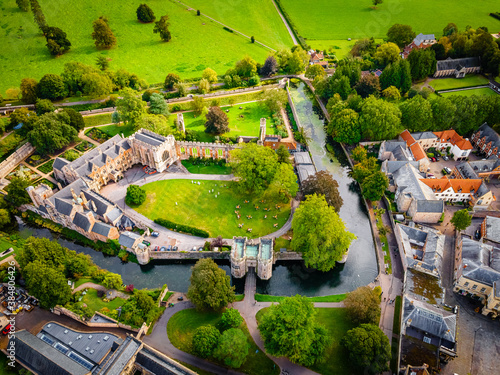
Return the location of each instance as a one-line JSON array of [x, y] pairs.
[[477, 235], [448, 170], [147, 243], [200, 249], [181, 298], [437, 158], [430, 175], [6, 330], [175, 248], [169, 247], [194, 248], [433, 159], [163, 248], [155, 234], [156, 248], [446, 158]]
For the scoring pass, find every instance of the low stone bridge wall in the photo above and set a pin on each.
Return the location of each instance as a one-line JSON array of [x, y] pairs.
[[178, 255], [289, 255]]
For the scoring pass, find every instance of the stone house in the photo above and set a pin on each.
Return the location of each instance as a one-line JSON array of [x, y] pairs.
[[459, 147], [419, 42], [457, 68], [416, 150], [486, 140], [475, 192], [490, 229], [484, 169]]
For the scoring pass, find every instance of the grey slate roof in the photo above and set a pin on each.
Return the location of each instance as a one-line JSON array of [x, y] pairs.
[[467, 62], [63, 206], [389, 167], [65, 193], [126, 222], [43, 358], [101, 228], [114, 214], [128, 239], [424, 135], [431, 206], [484, 165], [407, 179], [304, 171], [59, 163], [427, 318], [82, 221], [466, 171], [476, 262], [149, 139], [421, 37], [302, 158], [101, 203], [491, 135], [159, 364], [121, 357]]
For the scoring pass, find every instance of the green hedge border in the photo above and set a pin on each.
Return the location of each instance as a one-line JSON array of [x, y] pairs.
[[182, 228]]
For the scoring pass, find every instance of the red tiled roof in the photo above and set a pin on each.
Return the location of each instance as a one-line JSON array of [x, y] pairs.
[[465, 185], [418, 151], [407, 137], [454, 138]]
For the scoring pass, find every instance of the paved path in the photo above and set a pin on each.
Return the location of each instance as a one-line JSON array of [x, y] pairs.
[[286, 23]]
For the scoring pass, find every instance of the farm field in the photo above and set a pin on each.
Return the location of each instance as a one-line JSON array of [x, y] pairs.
[[258, 18], [454, 83], [338, 19], [483, 91], [196, 44], [215, 215], [248, 125]]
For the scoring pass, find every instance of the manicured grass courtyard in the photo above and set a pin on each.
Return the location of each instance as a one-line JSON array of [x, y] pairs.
[[207, 169], [180, 329], [94, 120], [126, 129], [338, 19], [197, 207], [245, 121], [197, 43], [96, 303], [483, 91], [454, 83]]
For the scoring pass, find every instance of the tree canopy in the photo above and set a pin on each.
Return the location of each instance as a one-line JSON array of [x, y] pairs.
[[246, 67], [131, 108], [290, 329], [136, 195], [322, 183], [319, 233], [51, 132], [170, 80], [145, 13], [231, 318], [270, 66], [386, 54], [369, 348], [161, 27], [16, 191], [57, 41], [402, 35], [461, 219], [363, 305], [205, 340], [52, 87], [232, 348], [217, 121], [210, 286], [379, 119], [28, 90], [210, 75], [102, 35], [158, 105]]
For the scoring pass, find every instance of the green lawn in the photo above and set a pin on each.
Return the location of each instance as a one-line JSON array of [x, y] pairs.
[[483, 91], [47, 167], [251, 17], [5, 244], [197, 43], [454, 83], [248, 125], [167, 296], [199, 208], [337, 323], [340, 47], [239, 297], [96, 303], [332, 298], [180, 329], [94, 120], [199, 371], [126, 129], [207, 169], [338, 19], [84, 280]]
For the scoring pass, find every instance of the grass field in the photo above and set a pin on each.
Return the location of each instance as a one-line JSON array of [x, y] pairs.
[[483, 91], [96, 303], [248, 125], [196, 44], [199, 208], [206, 169], [337, 323], [126, 129], [338, 19], [94, 120], [251, 17], [332, 298], [180, 329], [341, 47], [454, 83], [5, 244]]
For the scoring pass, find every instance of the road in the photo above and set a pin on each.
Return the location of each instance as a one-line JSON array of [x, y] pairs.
[[292, 35]]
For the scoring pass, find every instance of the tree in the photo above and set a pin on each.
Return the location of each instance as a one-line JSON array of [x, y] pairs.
[[51, 132], [416, 114], [373, 188], [246, 67], [284, 185], [322, 183], [96, 84], [255, 167], [319, 233], [252, 39], [391, 93], [231, 318], [73, 73], [198, 13], [443, 112], [290, 329], [158, 105], [156, 123], [38, 15], [283, 154], [368, 85], [21, 116], [297, 62], [24, 5], [363, 305], [4, 217], [102, 35], [359, 154], [203, 86], [217, 122], [135, 195], [161, 27], [461, 219], [57, 41], [422, 63], [52, 87], [450, 29], [16, 191], [28, 90], [210, 286], [362, 47], [131, 108], [314, 71], [112, 281], [232, 348], [44, 106], [170, 80], [379, 119], [254, 80], [102, 63], [205, 340], [377, 2], [210, 75], [181, 90], [270, 66], [198, 105], [274, 99], [369, 348], [402, 35], [145, 14], [387, 53], [47, 284]]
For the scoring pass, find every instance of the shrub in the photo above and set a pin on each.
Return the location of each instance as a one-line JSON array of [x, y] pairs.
[[135, 195], [182, 228]]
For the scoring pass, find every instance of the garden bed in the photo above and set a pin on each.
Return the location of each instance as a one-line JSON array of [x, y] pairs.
[[84, 146], [97, 135], [47, 167], [71, 155], [36, 159]]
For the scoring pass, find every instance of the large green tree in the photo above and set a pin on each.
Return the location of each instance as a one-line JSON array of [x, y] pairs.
[[443, 112], [322, 183], [314, 71], [170, 80], [52, 87], [290, 329], [270, 66], [57, 41], [284, 185], [368, 85], [161, 27], [402, 35], [254, 166], [156, 123], [75, 118], [369, 348], [47, 284], [416, 114], [158, 105], [73, 73], [16, 191], [21, 116], [217, 121], [231, 318], [363, 305], [461, 219], [274, 99], [246, 67], [28, 90], [112, 281], [51, 132], [131, 108], [103, 35], [96, 84], [210, 75], [210, 286], [319, 233], [422, 63], [232, 348], [205, 340], [379, 119], [44, 106], [145, 13], [374, 186], [386, 54]]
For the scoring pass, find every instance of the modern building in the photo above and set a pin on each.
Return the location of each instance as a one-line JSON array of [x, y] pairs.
[[457, 68], [486, 140], [257, 253]]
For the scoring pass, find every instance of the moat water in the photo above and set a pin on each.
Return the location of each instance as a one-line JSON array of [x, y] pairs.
[[289, 278]]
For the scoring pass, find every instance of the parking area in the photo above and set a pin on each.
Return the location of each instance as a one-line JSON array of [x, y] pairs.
[[436, 167], [22, 301]]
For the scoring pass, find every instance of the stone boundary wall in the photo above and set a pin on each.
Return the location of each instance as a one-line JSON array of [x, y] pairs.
[[292, 106], [189, 255], [58, 310], [289, 255], [13, 160], [100, 110], [370, 143]]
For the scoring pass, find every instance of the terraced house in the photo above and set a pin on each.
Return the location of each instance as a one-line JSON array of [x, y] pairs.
[[486, 140]]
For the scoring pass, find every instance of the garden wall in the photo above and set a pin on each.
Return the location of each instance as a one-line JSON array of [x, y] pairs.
[[189, 255], [289, 255], [58, 310]]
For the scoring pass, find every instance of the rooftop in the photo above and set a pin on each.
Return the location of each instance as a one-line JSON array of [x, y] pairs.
[[480, 262], [424, 287], [492, 228], [451, 136], [449, 63], [302, 158]]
